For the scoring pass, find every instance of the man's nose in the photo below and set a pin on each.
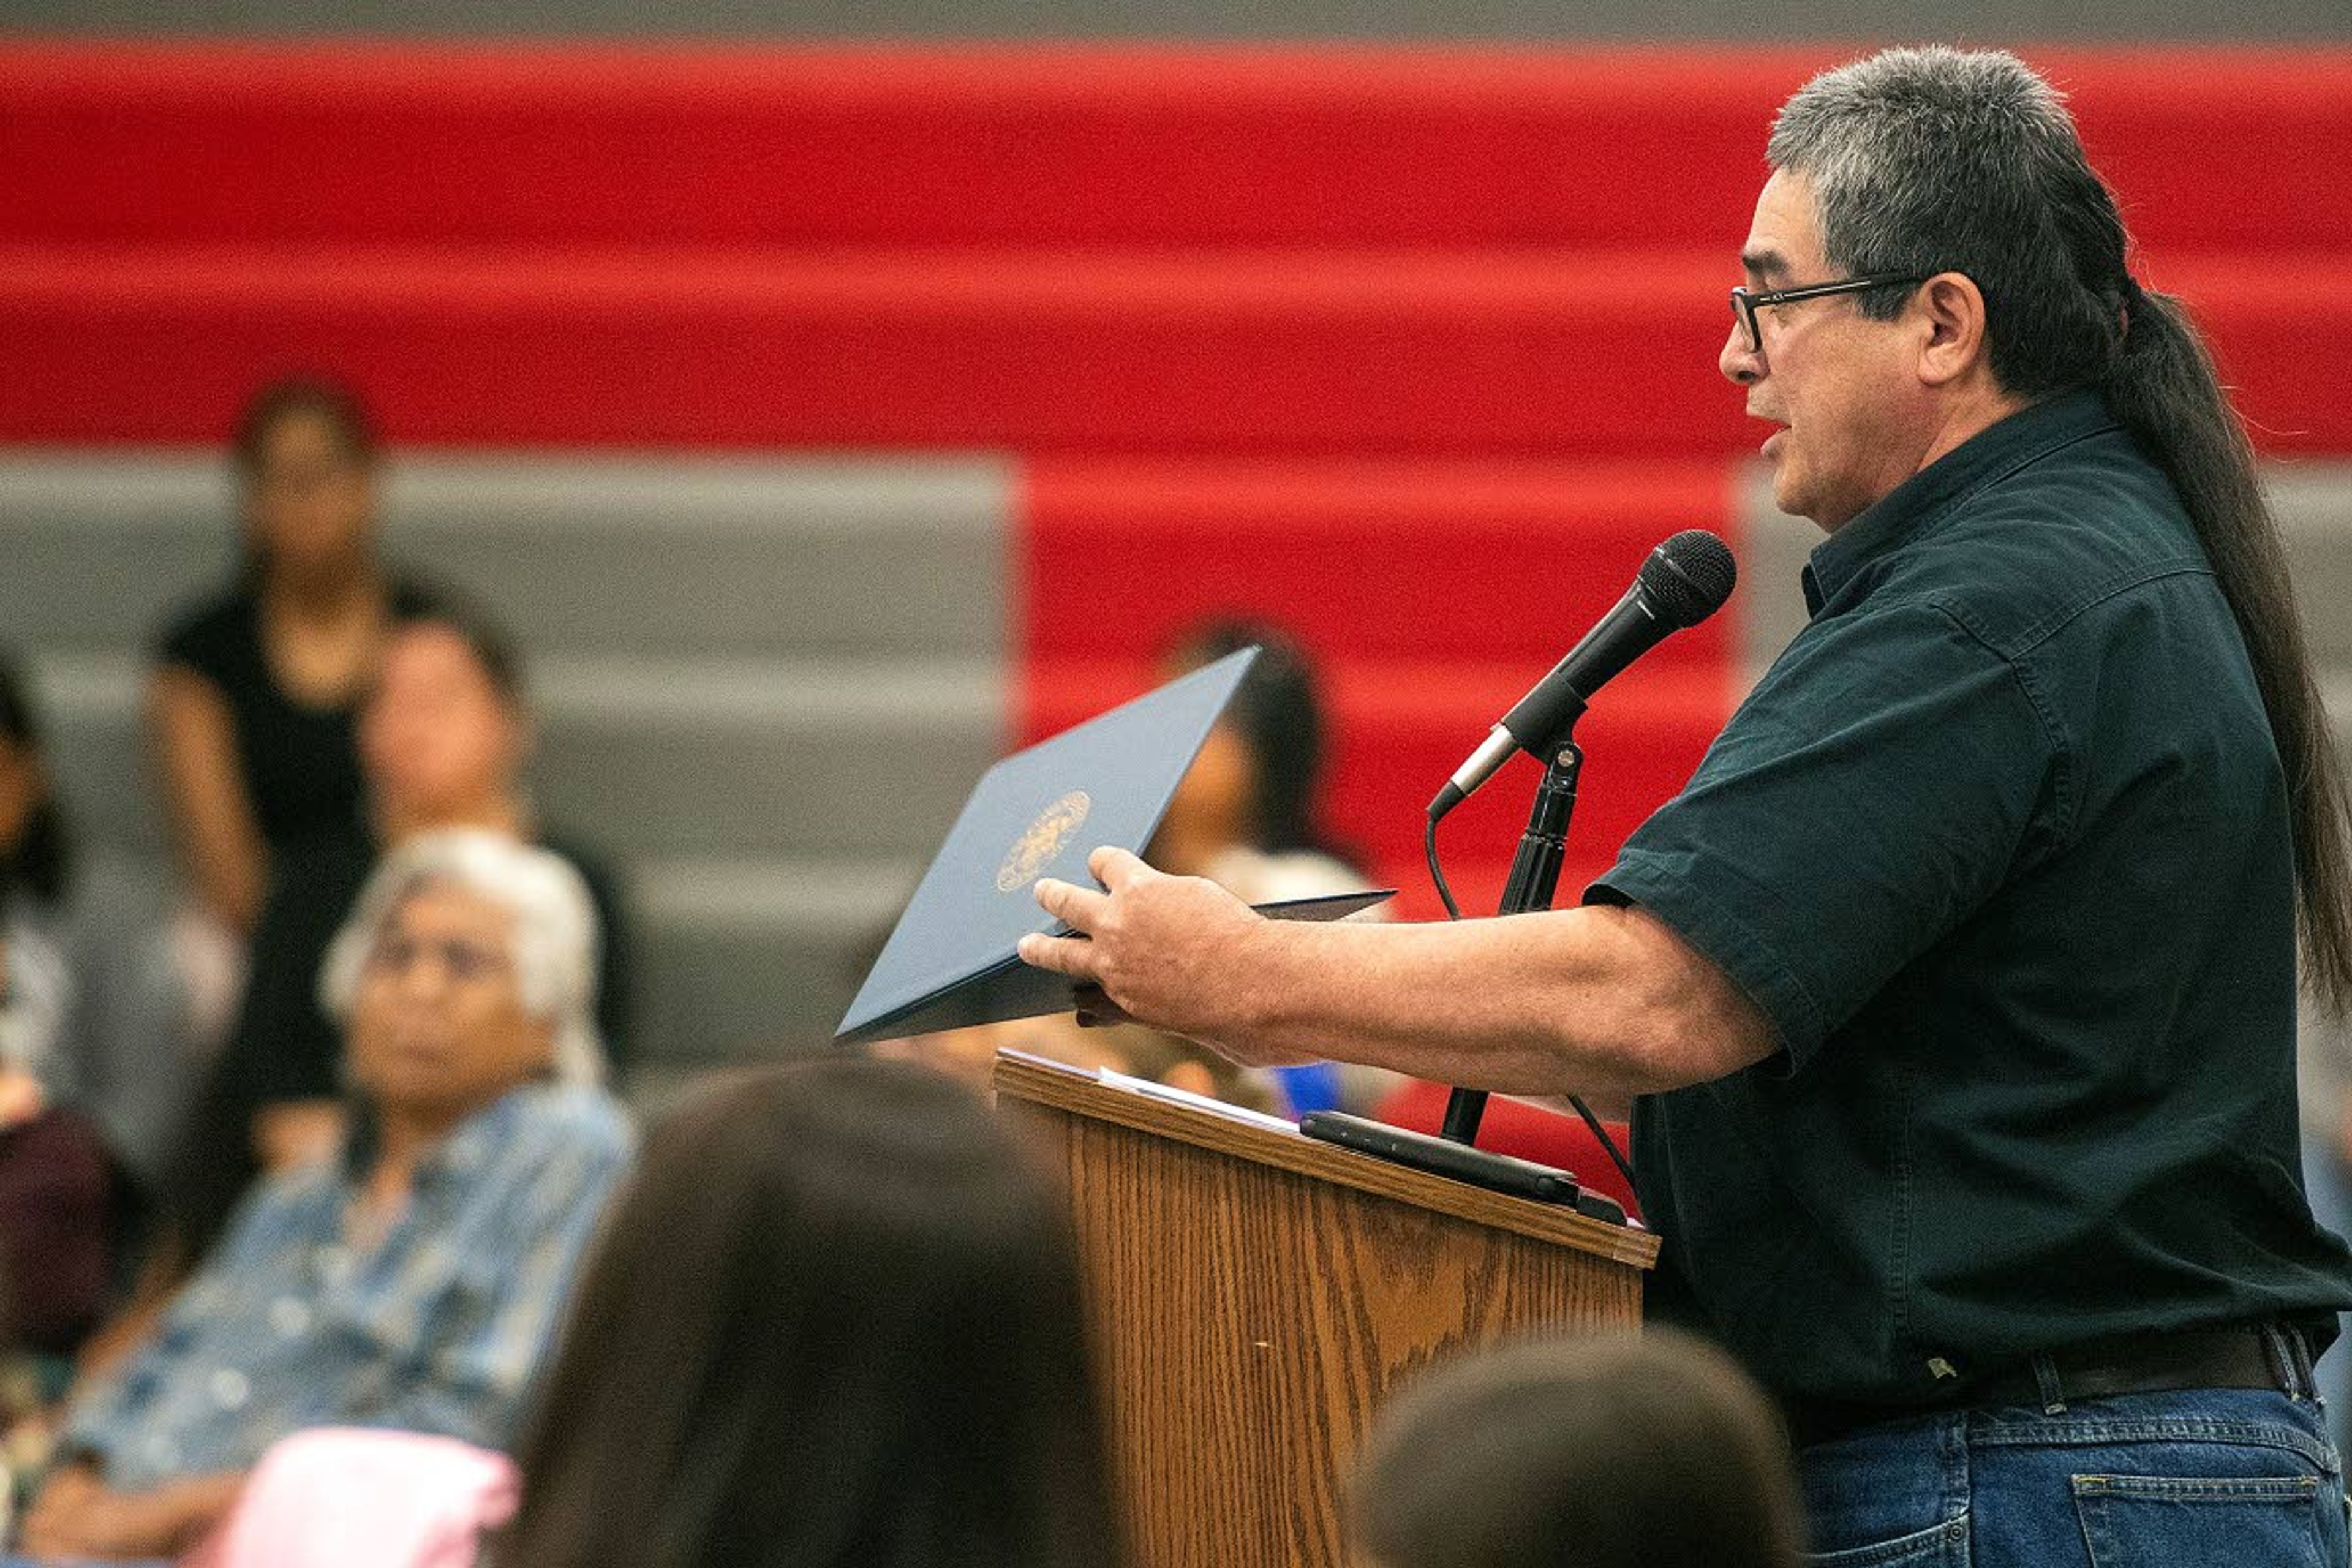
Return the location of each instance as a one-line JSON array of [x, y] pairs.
[[1741, 365]]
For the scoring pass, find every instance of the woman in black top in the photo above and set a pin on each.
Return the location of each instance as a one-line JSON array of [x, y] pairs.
[[250, 709]]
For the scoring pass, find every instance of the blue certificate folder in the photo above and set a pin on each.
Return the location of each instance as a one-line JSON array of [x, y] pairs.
[[951, 961]]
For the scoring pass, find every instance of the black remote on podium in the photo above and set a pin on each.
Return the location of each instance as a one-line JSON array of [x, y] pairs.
[[1443, 1157]]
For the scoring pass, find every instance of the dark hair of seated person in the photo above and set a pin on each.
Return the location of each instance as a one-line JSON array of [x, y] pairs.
[[1280, 720], [1650, 1452], [832, 1320], [494, 652], [319, 397]]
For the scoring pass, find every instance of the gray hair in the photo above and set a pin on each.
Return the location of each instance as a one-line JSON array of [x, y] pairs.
[[555, 939], [1935, 160]]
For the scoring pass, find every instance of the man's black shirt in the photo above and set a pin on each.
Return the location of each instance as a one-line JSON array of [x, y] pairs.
[[2001, 846]]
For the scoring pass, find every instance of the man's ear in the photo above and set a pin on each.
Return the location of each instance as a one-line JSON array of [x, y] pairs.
[[1952, 315]]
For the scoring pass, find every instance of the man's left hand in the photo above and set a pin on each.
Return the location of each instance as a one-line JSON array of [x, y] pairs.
[[1169, 952]]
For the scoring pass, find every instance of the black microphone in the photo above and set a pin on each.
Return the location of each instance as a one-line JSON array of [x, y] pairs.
[[1684, 580]]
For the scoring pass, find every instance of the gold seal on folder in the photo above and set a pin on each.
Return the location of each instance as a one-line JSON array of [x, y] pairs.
[[1044, 839]]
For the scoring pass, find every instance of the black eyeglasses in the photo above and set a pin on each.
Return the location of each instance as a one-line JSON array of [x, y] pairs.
[[1745, 302]]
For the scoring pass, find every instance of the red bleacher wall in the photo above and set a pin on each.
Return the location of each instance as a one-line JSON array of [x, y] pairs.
[[1409, 348], [992, 145]]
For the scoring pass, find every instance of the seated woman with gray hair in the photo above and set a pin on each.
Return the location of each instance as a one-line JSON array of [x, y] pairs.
[[414, 1282]]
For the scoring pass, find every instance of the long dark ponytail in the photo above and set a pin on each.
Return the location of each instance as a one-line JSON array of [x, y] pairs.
[[2165, 390]]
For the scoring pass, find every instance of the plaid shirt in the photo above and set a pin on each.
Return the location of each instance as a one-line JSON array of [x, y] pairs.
[[439, 1329]]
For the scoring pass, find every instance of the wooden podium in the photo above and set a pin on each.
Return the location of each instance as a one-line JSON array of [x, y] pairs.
[[1255, 1294]]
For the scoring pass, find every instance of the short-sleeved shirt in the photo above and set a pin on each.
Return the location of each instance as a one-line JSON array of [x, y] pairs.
[[301, 762], [440, 1327], [2001, 847]]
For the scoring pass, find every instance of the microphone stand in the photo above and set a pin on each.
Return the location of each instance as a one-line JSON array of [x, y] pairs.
[[1533, 879]]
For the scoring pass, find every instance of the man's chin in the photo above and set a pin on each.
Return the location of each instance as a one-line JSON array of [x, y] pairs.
[[1787, 495]]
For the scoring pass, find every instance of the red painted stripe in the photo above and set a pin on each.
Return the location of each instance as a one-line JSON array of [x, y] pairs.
[[1297, 353], [1301, 352], [1375, 558], [1054, 144]]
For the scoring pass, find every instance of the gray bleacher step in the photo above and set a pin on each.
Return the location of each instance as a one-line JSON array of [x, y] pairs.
[[2314, 511], [743, 957], [803, 757], [576, 554], [648, 758]]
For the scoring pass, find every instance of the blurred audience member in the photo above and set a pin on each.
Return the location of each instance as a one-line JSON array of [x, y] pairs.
[[250, 708], [1655, 1452], [833, 1320], [35, 1007], [90, 1010], [444, 734], [446, 738], [414, 1282], [1246, 814], [55, 1187]]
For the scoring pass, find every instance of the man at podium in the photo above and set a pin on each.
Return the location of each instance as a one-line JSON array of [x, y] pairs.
[[1955, 997]]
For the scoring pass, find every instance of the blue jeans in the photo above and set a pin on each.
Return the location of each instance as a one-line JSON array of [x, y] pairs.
[[2228, 1477]]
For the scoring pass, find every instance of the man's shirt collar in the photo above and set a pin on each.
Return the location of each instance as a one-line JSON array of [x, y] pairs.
[[1985, 458]]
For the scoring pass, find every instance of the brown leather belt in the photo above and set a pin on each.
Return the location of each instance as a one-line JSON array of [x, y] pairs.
[[2240, 1356]]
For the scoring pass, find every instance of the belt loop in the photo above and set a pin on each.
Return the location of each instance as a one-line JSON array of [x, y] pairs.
[[2282, 1360], [2298, 1356], [2045, 1378]]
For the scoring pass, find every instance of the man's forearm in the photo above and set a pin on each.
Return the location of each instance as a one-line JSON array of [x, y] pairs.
[[1601, 1002]]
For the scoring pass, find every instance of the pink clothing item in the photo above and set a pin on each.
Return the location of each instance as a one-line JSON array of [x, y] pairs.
[[348, 1497]]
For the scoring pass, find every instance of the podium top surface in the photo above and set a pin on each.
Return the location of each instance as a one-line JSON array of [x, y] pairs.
[[1262, 1140]]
